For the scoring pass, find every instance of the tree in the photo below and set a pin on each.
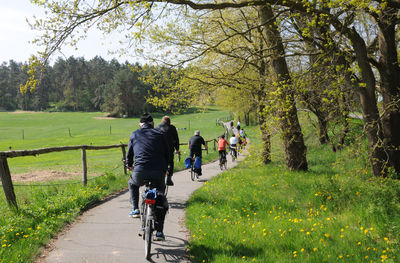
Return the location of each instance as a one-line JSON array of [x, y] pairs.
[[383, 139]]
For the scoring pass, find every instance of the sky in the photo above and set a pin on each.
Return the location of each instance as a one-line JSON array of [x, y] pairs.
[[16, 36]]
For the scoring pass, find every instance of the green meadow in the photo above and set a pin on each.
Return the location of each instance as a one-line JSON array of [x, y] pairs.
[[46, 206], [24, 131], [335, 212]]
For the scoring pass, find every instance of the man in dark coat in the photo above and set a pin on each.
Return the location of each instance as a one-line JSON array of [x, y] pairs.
[[147, 158], [195, 144], [173, 143]]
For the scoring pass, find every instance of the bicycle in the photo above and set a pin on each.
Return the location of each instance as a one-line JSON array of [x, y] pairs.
[[147, 215], [166, 186], [233, 152], [222, 162], [193, 172]]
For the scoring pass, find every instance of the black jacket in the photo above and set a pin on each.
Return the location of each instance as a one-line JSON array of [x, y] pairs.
[[150, 149], [172, 136]]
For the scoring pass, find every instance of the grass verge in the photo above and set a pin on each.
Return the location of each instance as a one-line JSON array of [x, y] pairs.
[[335, 212]]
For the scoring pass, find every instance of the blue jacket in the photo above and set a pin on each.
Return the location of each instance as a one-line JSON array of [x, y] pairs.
[[149, 147]]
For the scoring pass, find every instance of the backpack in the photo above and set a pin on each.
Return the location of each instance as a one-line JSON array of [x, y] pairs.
[[188, 162], [197, 163]]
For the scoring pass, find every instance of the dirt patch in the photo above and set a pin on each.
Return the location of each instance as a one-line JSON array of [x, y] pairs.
[[46, 175], [105, 118]]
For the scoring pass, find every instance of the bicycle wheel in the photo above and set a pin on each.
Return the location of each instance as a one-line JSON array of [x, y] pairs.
[[143, 219], [148, 234], [192, 173]]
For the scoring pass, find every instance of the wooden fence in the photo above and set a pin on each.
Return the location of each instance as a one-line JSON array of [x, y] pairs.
[[6, 175]]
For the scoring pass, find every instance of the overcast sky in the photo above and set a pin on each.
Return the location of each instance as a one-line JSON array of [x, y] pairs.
[[16, 35]]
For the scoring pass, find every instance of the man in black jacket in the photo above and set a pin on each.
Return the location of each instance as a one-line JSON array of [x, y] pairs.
[[173, 143], [195, 144], [147, 157]]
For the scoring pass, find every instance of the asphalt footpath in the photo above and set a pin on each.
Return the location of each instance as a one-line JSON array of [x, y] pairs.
[[106, 234]]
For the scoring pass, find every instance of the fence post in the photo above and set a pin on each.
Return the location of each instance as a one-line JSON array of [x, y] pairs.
[[84, 167], [124, 157], [7, 183], [207, 147], [214, 145]]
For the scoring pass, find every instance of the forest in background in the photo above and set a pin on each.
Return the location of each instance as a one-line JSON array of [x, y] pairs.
[[76, 84]]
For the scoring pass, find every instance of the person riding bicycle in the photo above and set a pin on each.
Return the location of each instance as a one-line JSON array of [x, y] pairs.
[[147, 158], [195, 143], [238, 126], [221, 148], [233, 143], [173, 144]]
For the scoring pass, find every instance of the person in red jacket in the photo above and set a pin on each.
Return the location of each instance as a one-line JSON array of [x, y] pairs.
[[222, 148]]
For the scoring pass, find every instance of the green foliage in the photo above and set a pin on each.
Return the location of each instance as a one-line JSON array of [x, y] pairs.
[[168, 92]]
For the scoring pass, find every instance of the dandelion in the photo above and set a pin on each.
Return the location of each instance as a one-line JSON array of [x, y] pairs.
[[384, 257], [327, 235], [315, 249], [4, 245], [302, 250]]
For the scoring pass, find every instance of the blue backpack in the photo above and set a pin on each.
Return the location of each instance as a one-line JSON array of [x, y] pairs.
[[188, 162], [197, 163]]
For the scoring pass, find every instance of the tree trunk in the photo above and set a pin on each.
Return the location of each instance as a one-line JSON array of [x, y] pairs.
[[369, 107], [265, 135], [390, 86], [295, 148]]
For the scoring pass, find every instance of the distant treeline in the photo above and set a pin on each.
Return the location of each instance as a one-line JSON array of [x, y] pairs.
[[75, 84]]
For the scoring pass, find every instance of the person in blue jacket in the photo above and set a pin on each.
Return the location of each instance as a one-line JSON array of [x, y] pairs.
[[147, 157]]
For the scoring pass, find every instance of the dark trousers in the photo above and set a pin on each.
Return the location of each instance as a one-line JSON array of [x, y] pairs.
[[222, 154], [157, 179], [171, 164]]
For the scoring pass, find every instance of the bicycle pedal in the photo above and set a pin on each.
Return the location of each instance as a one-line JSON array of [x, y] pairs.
[[139, 234]]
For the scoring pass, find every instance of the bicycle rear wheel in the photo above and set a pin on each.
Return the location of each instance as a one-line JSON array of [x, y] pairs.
[[143, 219], [192, 173], [148, 234]]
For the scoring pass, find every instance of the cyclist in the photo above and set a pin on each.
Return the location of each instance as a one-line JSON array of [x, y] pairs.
[[173, 143], [195, 143], [147, 158], [233, 143], [238, 126], [221, 148], [242, 133]]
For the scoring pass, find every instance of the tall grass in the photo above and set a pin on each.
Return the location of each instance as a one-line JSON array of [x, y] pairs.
[[335, 212], [45, 207]]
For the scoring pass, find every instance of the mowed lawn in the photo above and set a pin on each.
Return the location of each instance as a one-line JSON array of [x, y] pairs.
[[34, 130]]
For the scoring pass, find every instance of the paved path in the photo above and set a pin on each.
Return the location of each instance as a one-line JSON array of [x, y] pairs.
[[105, 234]]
